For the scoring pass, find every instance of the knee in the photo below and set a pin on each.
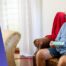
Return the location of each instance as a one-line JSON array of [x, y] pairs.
[[41, 54], [62, 61]]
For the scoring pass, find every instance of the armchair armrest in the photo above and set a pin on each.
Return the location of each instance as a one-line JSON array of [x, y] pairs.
[[45, 42]]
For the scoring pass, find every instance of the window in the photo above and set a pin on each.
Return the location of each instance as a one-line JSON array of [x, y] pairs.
[[10, 14]]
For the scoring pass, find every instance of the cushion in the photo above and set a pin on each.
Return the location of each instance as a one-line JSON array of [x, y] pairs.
[[52, 62]]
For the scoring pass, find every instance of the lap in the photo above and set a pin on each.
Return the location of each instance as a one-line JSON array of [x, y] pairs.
[[54, 52], [48, 53]]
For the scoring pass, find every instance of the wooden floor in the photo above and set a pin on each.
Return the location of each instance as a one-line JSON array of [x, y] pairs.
[[23, 61]]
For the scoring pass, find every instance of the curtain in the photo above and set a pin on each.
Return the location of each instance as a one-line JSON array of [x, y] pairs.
[[31, 25], [24, 16]]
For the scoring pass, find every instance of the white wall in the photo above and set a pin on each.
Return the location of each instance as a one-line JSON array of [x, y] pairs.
[[49, 9], [1, 13]]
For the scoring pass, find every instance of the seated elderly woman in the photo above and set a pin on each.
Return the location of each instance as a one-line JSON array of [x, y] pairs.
[[54, 51]]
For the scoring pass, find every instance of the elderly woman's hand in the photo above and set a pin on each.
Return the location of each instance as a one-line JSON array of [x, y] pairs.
[[51, 44]]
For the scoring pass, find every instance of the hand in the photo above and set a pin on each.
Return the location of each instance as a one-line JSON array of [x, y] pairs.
[[51, 44]]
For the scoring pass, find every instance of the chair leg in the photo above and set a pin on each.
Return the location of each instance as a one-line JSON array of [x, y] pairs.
[[34, 61]]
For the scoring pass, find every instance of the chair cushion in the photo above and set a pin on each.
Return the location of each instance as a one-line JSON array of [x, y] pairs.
[[52, 62]]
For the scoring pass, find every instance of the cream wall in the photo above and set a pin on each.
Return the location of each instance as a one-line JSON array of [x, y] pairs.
[[49, 9], [1, 13]]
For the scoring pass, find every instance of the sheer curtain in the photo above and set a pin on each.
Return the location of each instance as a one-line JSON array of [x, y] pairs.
[[31, 25], [24, 16]]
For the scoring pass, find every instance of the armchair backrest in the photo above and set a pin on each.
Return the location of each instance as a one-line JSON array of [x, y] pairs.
[[59, 19]]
